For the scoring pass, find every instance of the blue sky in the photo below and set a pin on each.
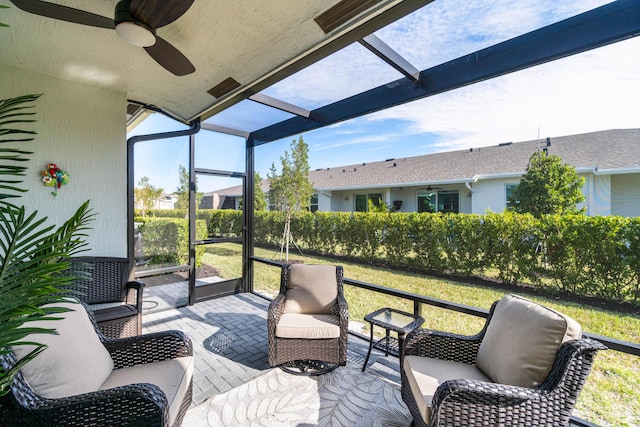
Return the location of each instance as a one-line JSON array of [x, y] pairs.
[[592, 91]]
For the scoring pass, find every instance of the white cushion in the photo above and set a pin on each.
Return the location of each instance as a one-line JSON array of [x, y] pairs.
[[425, 375], [522, 340], [172, 376], [308, 326], [74, 362], [311, 289]]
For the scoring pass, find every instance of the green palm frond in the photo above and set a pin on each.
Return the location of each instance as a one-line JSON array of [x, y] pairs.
[[34, 266], [13, 113]]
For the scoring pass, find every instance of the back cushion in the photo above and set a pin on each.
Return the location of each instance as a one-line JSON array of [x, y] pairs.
[[75, 361], [522, 340], [311, 289]]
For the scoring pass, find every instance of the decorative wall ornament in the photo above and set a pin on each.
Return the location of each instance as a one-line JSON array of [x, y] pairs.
[[55, 177]]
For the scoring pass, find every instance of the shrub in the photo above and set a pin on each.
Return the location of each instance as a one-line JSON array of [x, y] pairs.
[[166, 240], [590, 256]]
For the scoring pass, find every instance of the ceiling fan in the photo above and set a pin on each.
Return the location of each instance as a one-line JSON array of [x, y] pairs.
[[135, 21], [430, 188]]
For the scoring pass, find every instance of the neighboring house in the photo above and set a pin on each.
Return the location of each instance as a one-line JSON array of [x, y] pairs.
[[165, 201], [479, 180], [228, 198]]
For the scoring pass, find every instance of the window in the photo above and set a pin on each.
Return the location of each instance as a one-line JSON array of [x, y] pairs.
[[442, 201], [448, 201], [313, 203], [509, 189], [229, 203], [362, 201], [426, 201]]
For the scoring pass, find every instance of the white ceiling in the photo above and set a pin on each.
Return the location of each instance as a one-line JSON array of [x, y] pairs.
[[255, 42]]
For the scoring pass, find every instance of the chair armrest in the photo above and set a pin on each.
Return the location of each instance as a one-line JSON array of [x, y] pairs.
[[343, 312], [442, 345], [572, 363], [474, 403], [142, 404], [276, 308], [148, 348], [137, 286], [343, 308]]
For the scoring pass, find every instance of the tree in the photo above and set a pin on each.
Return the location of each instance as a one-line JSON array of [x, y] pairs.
[[146, 194], [183, 189], [260, 199], [291, 191], [548, 187]]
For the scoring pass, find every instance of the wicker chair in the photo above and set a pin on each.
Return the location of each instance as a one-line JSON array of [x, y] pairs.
[[115, 301], [307, 322], [525, 368], [148, 378]]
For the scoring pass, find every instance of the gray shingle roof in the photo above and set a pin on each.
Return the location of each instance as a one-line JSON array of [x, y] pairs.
[[617, 149], [611, 149]]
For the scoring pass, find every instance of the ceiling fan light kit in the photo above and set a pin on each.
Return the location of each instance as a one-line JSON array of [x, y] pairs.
[[135, 34]]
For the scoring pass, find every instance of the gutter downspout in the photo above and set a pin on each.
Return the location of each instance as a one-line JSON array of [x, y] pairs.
[[194, 127], [470, 188]]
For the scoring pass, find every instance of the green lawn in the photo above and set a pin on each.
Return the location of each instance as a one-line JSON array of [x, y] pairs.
[[611, 396]]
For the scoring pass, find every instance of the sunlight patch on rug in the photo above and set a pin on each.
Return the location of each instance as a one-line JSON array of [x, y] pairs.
[[344, 397]]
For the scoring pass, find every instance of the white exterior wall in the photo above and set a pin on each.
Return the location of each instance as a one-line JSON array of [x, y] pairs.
[[625, 195], [82, 129], [344, 200], [490, 195], [597, 189], [605, 195], [324, 201]]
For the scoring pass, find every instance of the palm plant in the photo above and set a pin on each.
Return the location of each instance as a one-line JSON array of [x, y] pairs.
[[33, 256]]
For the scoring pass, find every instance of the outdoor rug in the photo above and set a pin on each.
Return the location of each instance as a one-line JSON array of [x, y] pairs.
[[344, 397]]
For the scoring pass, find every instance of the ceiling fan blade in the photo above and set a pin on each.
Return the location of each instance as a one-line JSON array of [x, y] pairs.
[[170, 58], [158, 13], [63, 13]]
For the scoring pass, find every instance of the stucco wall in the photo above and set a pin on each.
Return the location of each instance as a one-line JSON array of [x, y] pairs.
[[625, 197], [597, 189], [490, 195], [82, 129]]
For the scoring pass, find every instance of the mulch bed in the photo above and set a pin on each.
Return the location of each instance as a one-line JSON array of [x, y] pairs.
[[181, 276]]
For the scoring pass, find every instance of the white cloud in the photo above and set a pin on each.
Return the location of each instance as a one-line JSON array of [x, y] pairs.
[[365, 139], [596, 90]]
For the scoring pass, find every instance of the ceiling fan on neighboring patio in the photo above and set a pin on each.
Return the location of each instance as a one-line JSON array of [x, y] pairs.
[[135, 21], [430, 188]]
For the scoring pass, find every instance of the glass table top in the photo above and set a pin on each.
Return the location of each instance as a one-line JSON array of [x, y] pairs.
[[389, 317]]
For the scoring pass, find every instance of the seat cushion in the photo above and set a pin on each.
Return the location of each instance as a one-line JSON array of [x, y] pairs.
[[308, 326], [311, 289], [74, 362], [425, 375], [522, 340], [172, 376]]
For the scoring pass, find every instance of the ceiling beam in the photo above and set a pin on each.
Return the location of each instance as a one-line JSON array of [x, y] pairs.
[[391, 57], [223, 129], [389, 12], [280, 105], [608, 24]]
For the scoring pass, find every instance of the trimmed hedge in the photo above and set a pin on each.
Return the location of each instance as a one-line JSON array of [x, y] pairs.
[[591, 256], [219, 223], [166, 240]]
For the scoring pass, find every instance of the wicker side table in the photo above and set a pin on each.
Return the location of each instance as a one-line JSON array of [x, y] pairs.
[[391, 320]]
